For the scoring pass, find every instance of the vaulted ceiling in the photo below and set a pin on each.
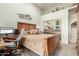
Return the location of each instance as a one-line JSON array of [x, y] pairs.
[[44, 6]]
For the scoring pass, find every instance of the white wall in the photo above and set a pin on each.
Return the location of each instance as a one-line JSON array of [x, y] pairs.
[[9, 17], [63, 15], [72, 15]]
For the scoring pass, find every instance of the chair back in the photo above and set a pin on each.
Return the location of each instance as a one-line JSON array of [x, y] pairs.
[[20, 35]]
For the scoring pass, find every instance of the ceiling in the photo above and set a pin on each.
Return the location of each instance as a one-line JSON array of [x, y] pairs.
[[44, 6]]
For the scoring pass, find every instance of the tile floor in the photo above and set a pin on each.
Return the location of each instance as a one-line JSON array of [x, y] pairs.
[[65, 50]]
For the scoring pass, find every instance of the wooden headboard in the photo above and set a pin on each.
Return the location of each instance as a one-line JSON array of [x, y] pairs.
[[27, 26]]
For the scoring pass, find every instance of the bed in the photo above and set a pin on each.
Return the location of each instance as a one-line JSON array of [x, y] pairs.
[[42, 44]]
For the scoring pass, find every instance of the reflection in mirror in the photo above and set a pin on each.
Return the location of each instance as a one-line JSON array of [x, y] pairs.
[[52, 26]]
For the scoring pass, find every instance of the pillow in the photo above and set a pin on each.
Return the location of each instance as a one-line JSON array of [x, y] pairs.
[[33, 31]]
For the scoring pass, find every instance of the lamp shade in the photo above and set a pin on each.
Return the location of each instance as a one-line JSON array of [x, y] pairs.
[[37, 26]]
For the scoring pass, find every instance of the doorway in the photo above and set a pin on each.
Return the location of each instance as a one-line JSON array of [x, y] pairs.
[[72, 26], [74, 32]]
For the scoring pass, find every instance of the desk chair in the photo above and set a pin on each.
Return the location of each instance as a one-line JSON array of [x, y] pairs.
[[14, 45]]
